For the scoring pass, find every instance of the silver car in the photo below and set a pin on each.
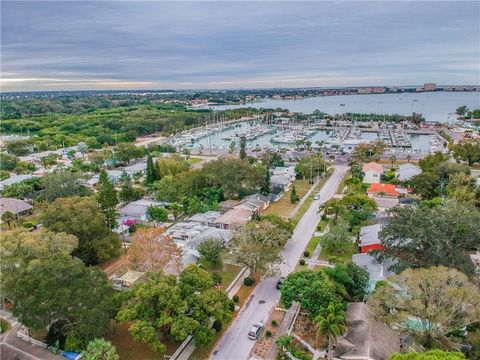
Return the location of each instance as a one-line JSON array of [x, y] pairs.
[[255, 331], [317, 197]]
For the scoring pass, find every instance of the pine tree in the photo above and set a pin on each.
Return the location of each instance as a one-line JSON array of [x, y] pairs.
[[293, 195], [151, 173], [266, 183], [243, 145], [158, 173], [127, 191], [107, 199]]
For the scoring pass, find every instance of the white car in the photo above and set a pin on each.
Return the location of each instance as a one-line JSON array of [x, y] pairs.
[[255, 331], [317, 197]]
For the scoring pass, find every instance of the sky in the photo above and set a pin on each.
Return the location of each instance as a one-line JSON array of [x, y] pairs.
[[72, 45]]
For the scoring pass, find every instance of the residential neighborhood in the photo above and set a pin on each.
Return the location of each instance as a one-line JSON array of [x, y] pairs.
[[239, 180]]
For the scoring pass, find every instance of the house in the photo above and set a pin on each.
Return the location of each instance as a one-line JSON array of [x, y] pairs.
[[349, 145], [366, 338], [256, 203], [15, 179], [15, 206], [234, 219], [383, 190], [140, 167], [208, 218], [243, 212], [369, 238], [373, 173], [137, 210], [407, 171], [113, 176], [281, 179], [127, 280], [376, 270], [189, 235]]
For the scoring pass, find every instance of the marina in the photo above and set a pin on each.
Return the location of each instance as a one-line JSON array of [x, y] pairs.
[[280, 135]]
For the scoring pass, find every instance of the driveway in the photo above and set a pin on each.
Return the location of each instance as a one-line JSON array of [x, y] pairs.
[[235, 345]]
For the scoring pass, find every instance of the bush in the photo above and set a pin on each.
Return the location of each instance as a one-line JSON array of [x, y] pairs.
[[248, 281], [217, 279], [217, 325], [324, 217], [231, 306], [28, 224], [302, 261], [274, 323], [235, 298], [268, 333], [306, 253]]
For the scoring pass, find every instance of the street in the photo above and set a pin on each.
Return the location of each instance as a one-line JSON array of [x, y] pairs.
[[235, 345]]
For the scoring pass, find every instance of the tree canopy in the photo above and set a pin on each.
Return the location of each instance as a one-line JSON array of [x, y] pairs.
[[165, 306], [311, 289], [428, 304], [429, 236], [82, 217], [429, 355]]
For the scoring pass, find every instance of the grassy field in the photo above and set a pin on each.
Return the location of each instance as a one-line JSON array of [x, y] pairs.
[[312, 244], [345, 257], [194, 160], [227, 272], [284, 207]]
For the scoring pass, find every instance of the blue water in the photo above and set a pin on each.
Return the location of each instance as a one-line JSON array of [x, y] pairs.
[[435, 106]]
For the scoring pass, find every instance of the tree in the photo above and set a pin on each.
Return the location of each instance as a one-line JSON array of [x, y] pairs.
[[429, 355], [461, 110], [231, 147], [100, 349], [372, 151], [393, 159], [164, 306], [243, 145], [8, 217], [338, 239], [19, 147], [428, 304], [331, 326], [351, 280], [151, 250], [151, 175], [294, 198], [310, 288], [258, 245], [467, 150], [8, 162], [20, 246], [426, 236], [62, 184], [463, 188], [23, 189], [107, 200], [128, 192], [62, 296], [266, 183], [83, 218], [425, 185], [431, 161], [157, 213], [126, 152], [310, 167], [211, 251]]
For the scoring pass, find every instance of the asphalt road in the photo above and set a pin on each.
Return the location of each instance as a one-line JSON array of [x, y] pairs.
[[235, 345]]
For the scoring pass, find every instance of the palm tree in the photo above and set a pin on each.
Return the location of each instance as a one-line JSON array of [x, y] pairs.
[[409, 157], [393, 158], [331, 324], [8, 217]]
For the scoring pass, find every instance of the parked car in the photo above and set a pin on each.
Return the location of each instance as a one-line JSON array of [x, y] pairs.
[[280, 282], [255, 331], [317, 197]]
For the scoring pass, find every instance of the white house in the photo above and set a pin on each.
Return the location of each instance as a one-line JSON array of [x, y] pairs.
[[373, 173], [407, 171], [137, 210]]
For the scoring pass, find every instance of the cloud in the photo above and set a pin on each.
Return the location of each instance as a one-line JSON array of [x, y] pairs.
[[236, 44]]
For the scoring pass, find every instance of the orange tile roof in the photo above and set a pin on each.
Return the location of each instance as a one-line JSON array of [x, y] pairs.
[[388, 189]]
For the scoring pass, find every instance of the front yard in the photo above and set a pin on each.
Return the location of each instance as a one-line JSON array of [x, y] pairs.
[[284, 207]]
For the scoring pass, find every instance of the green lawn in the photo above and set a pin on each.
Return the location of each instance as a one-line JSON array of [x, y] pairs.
[[312, 244], [345, 257], [228, 272], [194, 160], [322, 225], [4, 325], [284, 207]]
